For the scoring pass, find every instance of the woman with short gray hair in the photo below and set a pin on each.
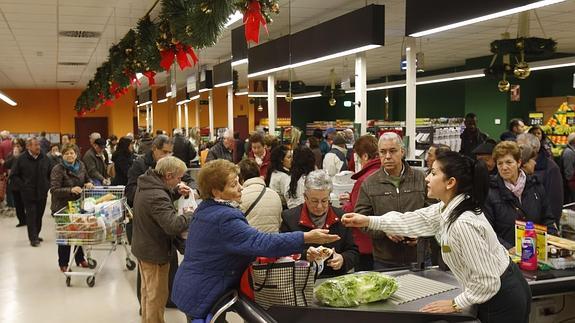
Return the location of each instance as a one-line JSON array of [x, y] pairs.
[[317, 213]]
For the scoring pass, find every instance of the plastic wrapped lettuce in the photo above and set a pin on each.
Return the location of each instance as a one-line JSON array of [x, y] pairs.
[[355, 289]]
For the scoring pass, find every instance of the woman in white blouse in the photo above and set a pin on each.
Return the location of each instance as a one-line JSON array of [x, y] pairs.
[[278, 176], [469, 245]]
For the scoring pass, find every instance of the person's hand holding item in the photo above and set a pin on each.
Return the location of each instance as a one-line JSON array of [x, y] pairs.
[[184, 189], [512, 251], [319, 236], [106, 182], [343, 197], [355, 220], [312, 254], [89, 185], [336, 261], [394, 238], [76, 190]]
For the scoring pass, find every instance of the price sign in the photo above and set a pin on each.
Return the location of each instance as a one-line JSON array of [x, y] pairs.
[[570, 118], [536, 118]]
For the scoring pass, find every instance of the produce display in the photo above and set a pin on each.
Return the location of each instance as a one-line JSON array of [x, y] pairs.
[[355, 289], [559, 126]]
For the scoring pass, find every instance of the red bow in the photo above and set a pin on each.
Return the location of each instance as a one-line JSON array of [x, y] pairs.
[[181, 52], [133, 79], [150, 75], [252, 19]]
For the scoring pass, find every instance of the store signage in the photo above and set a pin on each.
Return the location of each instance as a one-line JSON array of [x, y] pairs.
[[515, 93], [191, 84], [239, 44], [204, 102], [536, 118], [570, 118], [223, 72]]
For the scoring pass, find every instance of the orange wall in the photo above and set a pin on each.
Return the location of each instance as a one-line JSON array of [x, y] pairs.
[[52, 110]]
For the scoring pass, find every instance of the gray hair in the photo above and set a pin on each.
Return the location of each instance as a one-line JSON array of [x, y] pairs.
[[4, 134], [227, 134], [178, 131], [527, 153], [318, 180], [391, 136], [170, 164], [95, 135], [161, 140], [527, 139]]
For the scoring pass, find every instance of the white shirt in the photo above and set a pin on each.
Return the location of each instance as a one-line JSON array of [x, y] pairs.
[[469, 247], [298, 199], [279, 181], [331, 163]]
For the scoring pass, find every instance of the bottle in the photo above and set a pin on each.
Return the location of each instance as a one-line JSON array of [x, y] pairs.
[[529, 248]]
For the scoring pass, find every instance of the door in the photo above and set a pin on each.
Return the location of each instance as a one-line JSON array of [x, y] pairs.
[[241, 125], [85, 126]]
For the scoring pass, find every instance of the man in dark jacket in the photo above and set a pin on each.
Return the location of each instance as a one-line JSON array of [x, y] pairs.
[[223, 149], [31, 175], [395, 187], [145, 144], [183, 148], [95, 162], [516, 127], [155, 225], [471, 136]]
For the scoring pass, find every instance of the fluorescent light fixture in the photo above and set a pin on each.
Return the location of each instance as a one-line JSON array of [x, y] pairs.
[[265, 94], [503, 13], [144, 103], [183, 102], [195, 97], [450, 77], [236, 16], [163, 100], [240, 62], [307, 96], [385, 86], [168, 94], [203, 90], [315, 60], [552, 63], [139, 75], [6, 99], [224, 84], [136, 102], [242, 93]]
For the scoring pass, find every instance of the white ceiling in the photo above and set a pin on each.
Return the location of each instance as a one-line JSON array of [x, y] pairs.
[[31, 47]]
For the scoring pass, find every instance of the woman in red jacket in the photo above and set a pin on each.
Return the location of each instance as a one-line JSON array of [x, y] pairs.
[[366, 148]]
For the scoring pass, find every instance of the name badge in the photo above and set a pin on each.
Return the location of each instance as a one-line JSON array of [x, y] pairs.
[[445, 248]]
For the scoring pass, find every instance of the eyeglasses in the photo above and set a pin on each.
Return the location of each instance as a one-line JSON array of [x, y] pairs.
[[317, 202]]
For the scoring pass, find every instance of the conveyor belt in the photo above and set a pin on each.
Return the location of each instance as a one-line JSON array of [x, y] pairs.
[[413, 287]]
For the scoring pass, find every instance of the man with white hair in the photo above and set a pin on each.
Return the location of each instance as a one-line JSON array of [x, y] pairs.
[[568, 163], [547, 172], [394, 187], [223, 149]]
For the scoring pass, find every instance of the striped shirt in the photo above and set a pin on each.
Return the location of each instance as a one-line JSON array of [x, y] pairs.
[[470, 247]]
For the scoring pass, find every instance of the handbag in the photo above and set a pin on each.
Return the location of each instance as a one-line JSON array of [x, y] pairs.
[[283, 283], [255, 202]]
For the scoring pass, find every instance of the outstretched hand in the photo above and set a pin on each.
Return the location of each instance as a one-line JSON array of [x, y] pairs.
[[319, 236], [355, 220]]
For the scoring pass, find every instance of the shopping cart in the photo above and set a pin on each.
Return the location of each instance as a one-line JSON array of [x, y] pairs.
[[568, 221], [102, 228]]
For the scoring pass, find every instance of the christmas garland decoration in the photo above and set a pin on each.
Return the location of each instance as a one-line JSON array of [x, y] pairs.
[[153, 46]]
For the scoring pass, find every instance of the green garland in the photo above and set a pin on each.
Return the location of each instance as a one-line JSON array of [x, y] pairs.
[[191, 23]]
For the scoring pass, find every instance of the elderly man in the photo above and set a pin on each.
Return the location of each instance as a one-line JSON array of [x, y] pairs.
[[156, 224], [30, 174], [395, 187], [547, 172], [484, 152], [95, 161], [223, 149]]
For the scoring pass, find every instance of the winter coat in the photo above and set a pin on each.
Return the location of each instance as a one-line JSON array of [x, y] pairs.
[[5, 152], [335, 160], [549, 174], [219, 151], [265, 162], [279, 180], [220, 246], [299, 219], [95, 165], [502, 208], [145, 146], [31, 176], [61, 182], [122, 164], [470, 141], [266, 214], [361, 238], [156, 221], [183, 149], [378, 195]]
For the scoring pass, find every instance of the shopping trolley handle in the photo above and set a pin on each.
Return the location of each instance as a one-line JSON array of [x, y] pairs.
[[226, 306]]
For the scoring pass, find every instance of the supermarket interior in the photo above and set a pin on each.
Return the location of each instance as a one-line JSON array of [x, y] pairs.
[[177, 160]]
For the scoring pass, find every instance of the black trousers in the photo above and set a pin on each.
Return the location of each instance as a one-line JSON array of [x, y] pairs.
[[19, 205], [64, 255], [513, 301], [34, 214]]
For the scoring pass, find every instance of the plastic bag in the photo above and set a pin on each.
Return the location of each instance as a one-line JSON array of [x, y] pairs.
[[355, 289], [187, 205]]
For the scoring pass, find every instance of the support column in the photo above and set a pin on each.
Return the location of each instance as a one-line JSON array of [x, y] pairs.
[[151, 107], [197, 113], [211, 115], [186, 122], [361, 93], [179, 116], [410, 93], [272, 104], [231, 108]]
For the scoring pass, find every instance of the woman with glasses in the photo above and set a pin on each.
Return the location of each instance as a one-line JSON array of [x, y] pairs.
[[317, 213]]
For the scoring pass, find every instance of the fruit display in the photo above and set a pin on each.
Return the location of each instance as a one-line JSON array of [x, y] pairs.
[[559, 126]]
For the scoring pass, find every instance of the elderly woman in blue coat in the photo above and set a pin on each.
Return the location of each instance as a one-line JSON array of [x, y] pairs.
[[221, 244]]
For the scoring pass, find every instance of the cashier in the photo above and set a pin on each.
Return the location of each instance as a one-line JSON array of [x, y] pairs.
[[469, 246]]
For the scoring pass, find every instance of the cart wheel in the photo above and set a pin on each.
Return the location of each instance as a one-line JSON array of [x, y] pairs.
[[68, 281], [91, 281], [92, 263], [130, 264]]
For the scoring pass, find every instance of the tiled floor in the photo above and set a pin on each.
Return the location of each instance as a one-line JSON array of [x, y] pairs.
[[32, 289]]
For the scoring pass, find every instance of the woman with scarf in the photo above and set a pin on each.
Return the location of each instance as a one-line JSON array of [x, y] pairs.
[[514, 195], [67, 181], [278, 176]]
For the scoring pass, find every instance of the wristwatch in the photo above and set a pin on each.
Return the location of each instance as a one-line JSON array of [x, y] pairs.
[[455, 307]]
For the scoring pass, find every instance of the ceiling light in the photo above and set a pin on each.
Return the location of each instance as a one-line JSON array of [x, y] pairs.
[[195, 97], [224, 84], [168, 94], [240, 62], [183, 102], [242, 93], [163, 100], [6, 99], [145, 103], [503, 13], [80, 34], [552, 63], [203, 90], [307, 96], [236, 16], [450, 77]]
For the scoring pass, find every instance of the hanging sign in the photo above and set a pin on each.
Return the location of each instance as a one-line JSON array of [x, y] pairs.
[[536, 118]]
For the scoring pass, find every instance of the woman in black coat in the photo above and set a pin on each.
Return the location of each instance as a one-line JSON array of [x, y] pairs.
[[317, 213], [514, 195], [123, 158]]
